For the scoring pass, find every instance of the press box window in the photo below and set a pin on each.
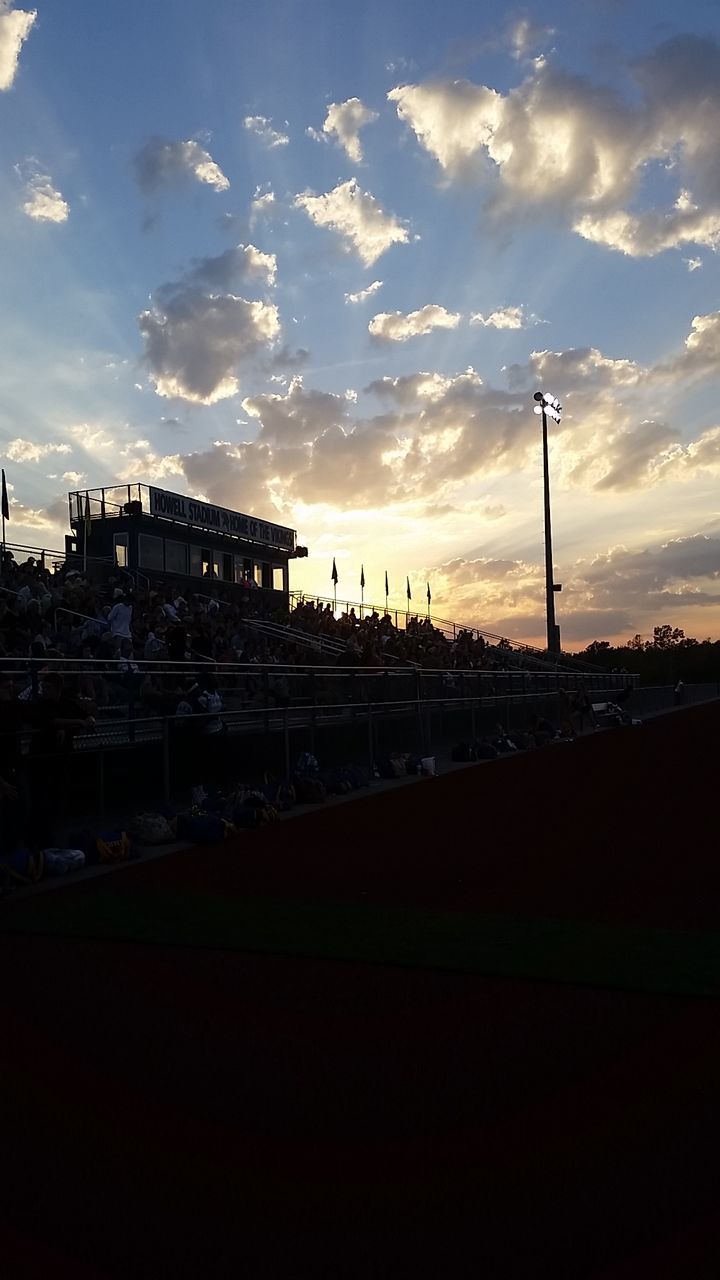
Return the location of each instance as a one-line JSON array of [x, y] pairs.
[[175, 556], [278, 581], [120, 546], [150, 552]]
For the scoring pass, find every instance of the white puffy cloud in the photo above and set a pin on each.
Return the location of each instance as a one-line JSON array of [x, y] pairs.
[[364, 293], [642, 235], [394, 326], [43, 203], [693, 264], [74, 477], [142, 460], [503, 318], [20, 450], [263, 128], [298, 417], [15, 27], [161, 162], [581, 151], [344, 120], [243, 263], [197, 332], [412, 388], [357, 217], [453, 120], [577, 368], [701, 357], [194, 341]]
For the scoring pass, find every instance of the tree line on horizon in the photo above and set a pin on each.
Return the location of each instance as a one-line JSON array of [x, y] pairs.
[[668, 656]]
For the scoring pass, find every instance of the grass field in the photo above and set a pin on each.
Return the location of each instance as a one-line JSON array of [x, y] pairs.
[[464, 1028]]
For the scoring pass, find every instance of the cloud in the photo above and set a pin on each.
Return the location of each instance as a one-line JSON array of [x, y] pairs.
[[364, 293], [504, 318], [577, 368], [563, 146], [196, 336], [356, 217], [74, 477], [160, 163], [636, 457], [344, 120], [693, 264], [412, 388], [262, 127], [527, 37], [461, 572], [646, 234], [20, 450], [453, 120], [43, 203], [298, 417], [141, 459], [243, 263], [15, 27], [701, 356], [396, 327], [644, 580], [263, 204]]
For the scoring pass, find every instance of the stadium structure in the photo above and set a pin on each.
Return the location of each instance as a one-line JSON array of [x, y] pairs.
[[145, 530]]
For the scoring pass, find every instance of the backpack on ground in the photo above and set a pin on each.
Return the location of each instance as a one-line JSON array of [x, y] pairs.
[[309, 790], [20, 867], [153, 828], [204, 828], [392, 766], [105, 848], [59, 861], [281, 795], [307, 765]]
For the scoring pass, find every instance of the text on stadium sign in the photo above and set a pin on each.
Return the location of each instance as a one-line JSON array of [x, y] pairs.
[[218, 519]]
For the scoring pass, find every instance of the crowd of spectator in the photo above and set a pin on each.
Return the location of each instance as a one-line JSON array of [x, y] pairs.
[[48, 614]]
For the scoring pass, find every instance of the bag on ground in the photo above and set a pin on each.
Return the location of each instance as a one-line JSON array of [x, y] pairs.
[[59, 861], [20, 867]]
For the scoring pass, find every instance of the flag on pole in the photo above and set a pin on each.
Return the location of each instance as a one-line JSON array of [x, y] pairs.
[[334, 574], [5, 503], [362, 577], [428, 594], [409, 593], [386, 584]]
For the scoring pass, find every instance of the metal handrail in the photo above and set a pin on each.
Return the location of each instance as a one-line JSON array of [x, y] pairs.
[[539, 655]]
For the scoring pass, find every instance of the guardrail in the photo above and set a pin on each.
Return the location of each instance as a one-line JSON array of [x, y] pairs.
[[137, 757]]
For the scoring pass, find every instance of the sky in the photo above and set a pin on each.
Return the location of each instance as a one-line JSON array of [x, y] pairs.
[[310, 260]]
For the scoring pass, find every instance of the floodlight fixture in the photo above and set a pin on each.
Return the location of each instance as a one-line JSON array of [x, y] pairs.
[[548, 404]]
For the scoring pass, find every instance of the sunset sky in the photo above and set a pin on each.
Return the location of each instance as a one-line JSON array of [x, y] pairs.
[[310, 260]]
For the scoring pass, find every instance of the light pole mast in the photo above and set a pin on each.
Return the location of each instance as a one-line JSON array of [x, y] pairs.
[[548, 406]]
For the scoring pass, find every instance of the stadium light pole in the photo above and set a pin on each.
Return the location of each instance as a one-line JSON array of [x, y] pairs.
[[547, 406]]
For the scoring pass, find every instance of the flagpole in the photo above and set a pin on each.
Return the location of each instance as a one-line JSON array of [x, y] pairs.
[[5, 508]]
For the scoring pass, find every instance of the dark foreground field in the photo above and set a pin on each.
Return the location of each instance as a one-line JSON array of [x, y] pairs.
[[469, 1027]]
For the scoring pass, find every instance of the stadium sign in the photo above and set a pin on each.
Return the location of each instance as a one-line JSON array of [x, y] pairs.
[[204, 515]]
